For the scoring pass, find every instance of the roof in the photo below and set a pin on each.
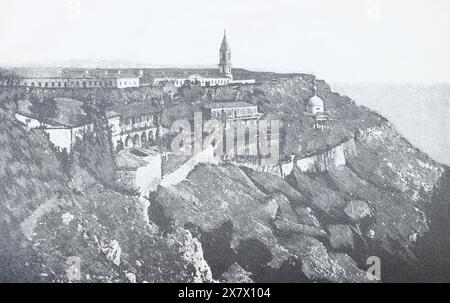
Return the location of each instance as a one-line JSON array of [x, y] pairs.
[[55, 73], [218, 105], [131, 110], [69, 112], [132, 159], [316, 101], [225, 46]]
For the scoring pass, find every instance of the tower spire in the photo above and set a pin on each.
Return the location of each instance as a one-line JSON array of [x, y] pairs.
[[225, 46], [225, 57]]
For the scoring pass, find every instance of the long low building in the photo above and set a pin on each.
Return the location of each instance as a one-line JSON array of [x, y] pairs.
[[194, 79], [234, 114], [132, 125], [73, 79]]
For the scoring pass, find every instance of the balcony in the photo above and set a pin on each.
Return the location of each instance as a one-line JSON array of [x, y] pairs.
[[245, 116]]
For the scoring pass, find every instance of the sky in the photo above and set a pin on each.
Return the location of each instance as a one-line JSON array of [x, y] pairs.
[[339, 41]]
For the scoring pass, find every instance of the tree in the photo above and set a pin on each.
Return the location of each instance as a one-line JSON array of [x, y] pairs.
[[8, 77], [43, 108]]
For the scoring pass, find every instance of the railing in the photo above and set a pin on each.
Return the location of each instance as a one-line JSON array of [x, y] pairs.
[[248, 116]]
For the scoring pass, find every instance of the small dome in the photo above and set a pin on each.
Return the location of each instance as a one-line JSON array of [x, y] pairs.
[[316, 101]]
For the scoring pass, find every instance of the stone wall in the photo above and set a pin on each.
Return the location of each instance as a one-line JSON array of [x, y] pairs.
[[316, 162], [148, 177], [178, 175], [143, 174], [328, 158]]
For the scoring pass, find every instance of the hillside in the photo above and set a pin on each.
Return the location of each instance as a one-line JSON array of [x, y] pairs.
[[320, 226], [225, 222], [48, 218]]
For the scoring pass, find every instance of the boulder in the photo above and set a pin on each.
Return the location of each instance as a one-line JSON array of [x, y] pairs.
[[358, 209], [236, 274], [67, 218], [112, 251], [288, 227], [272, 209]]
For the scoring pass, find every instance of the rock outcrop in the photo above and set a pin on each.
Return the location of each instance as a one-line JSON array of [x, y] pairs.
[[213, 195]]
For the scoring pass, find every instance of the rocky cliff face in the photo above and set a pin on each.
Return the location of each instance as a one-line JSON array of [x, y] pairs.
[[323, 225], [260, 231], [367, 197]]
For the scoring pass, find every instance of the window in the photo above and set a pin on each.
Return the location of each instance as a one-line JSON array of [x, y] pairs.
[[39, 84], [59, 84], [53, 84], [32, 83], [77, 83], [46, 84]]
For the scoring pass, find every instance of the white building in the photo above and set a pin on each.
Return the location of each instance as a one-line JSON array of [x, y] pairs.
[[316, 109], [194, 79], [74, 79], [133, 125], [316, 105], [223, 77], [70, 121], [234, 114]]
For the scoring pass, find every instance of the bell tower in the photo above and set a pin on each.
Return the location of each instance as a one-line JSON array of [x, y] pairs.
[[225, 57]]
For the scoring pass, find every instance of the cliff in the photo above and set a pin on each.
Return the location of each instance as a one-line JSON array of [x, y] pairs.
[[261, 232], [364, 189]]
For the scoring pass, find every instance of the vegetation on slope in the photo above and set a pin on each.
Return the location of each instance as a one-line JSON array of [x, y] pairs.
[[51, 213]]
